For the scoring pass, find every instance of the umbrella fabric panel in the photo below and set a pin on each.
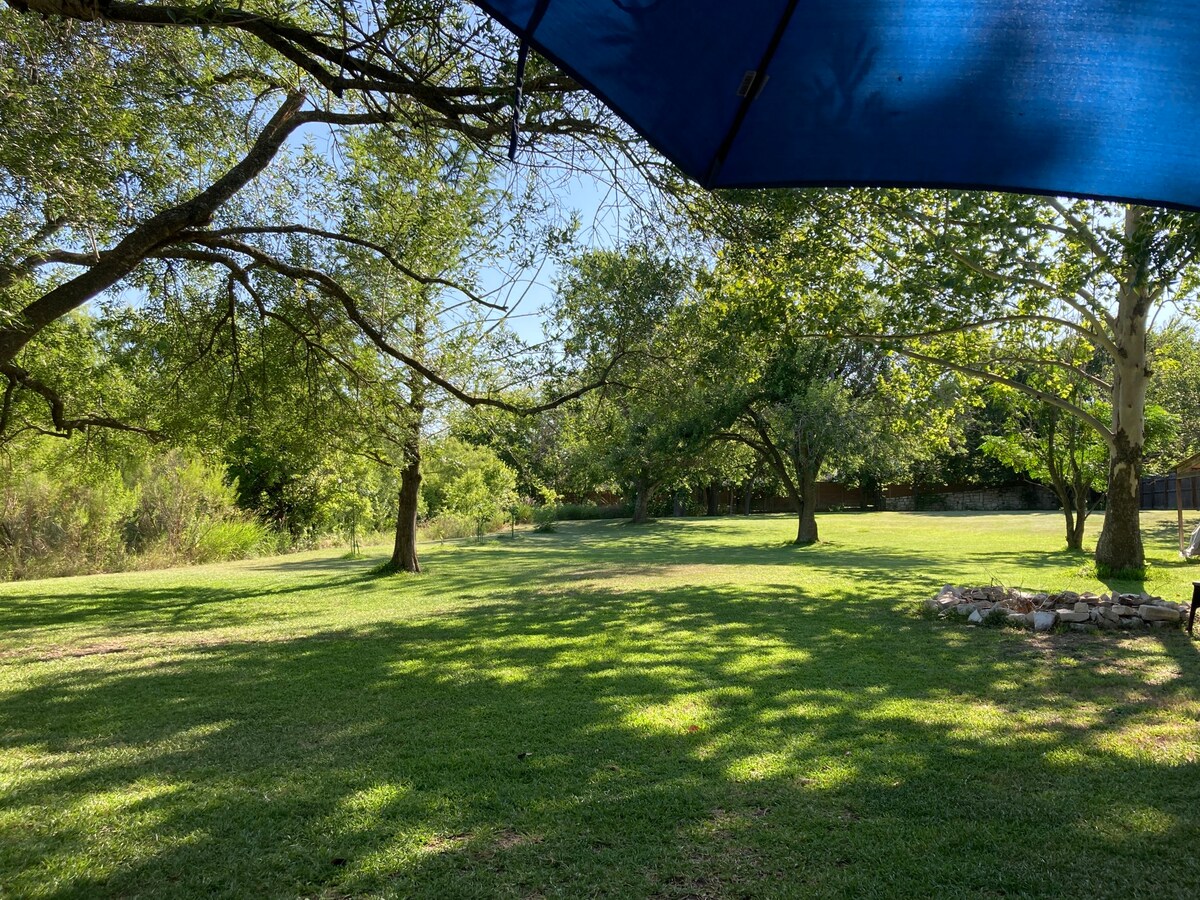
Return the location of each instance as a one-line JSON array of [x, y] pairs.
[[648, 61], [1075, 97]]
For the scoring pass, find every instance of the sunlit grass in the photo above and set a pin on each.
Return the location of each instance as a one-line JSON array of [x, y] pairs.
[[690, 709]]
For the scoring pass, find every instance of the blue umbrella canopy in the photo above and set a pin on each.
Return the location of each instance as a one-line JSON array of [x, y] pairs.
[[1091, 98]]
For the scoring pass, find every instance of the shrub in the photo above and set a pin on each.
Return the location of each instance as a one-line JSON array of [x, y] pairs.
[[447, 526], [543, 518], [566, 512], [230, 539]]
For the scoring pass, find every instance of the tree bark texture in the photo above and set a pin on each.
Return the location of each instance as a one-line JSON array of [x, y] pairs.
[[1120, 543], [806, 530], [643, 490], [404, 553]]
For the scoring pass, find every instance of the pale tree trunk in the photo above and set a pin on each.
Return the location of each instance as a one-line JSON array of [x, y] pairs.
[[1120, 543]]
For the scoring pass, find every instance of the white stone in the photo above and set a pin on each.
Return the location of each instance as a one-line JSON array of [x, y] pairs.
[[1044, 621], [976, 618], [1124, 610], [965, 609]]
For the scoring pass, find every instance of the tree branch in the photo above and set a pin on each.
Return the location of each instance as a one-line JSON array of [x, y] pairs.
[[1052, 399], [63, 425], [332, 288], [122, 259], [384, 252], [1097, 340]]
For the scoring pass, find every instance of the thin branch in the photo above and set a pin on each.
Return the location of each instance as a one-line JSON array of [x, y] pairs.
[[390, 257], [1052, 399], [1097, 340], [63, 425], [332, 288]]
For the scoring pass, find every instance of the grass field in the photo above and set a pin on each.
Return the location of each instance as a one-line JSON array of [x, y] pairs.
[[689, 709]]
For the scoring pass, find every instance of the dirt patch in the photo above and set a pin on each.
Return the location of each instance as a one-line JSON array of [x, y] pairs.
[[507, 839], [442, 842], [92, 650]]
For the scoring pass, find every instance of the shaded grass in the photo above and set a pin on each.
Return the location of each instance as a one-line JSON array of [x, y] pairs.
[[691, 709]]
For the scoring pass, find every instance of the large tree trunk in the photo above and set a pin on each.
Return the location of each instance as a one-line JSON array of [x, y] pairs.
[[712, 500], [404, 553], [1120, 543], [643, 490], [747, 497], [806, 530]]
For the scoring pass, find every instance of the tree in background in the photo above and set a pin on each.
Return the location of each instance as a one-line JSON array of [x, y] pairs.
[[622, 305], [1030, 273], [469, 482], [1056, 449], [806, 404], [1176, 387], [808, 407]]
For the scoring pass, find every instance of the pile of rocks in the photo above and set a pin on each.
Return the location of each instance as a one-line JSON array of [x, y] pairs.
[[1042, 612]]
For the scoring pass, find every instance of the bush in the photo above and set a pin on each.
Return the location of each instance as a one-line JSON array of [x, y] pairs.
[[66, 525], [447, 526], [86, 516], [566, 512], [543, 518], [231, 539]]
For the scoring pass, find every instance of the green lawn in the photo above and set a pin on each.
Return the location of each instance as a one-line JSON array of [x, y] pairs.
[[690, 709]]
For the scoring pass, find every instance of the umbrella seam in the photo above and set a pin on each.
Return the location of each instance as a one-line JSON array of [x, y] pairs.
[[760, 78]]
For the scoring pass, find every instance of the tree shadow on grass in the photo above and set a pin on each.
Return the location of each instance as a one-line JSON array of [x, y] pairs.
[[185, 600], [682, 741]]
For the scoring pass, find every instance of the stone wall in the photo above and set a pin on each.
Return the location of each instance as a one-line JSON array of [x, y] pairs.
[[1009, 497], [995, 605]]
